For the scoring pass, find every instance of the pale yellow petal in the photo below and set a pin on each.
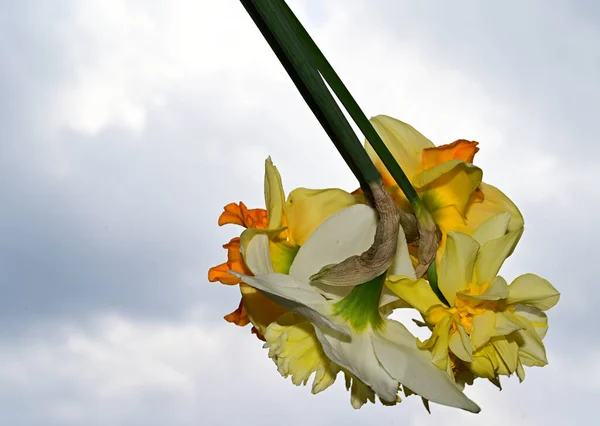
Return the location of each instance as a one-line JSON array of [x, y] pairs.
[[404, 142], [460, 344], [531, 349], [537, 318], [456, 268], [505, 325], [483, 328], [532, 290], [496, 290], [493, 254], [294, 348], [494, 227], [493, 203], [508, 351], [306, 209], [416, 293], [274, 195]]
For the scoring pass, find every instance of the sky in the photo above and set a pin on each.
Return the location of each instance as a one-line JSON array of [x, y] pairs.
[[126, 126]]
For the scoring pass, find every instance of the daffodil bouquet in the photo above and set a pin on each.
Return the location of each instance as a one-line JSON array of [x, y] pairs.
[[321, 270]]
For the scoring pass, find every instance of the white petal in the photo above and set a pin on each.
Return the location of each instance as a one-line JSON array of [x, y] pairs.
[[347, 233], [397, 351], [258, 255], [402, 265], [295, 296], [356, 355]]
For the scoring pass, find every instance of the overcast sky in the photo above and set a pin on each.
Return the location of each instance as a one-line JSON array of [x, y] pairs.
[[126, 126]]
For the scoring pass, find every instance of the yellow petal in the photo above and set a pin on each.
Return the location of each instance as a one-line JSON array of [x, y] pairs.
[[274, 195], [416, 293], [306, 209], [442, 340], [456, 268], [532, 290], [508, 351], [404, 142], [505, 324], [483, 328], [294, 348], [536, 317], [496, 290], [493, 254], [261, 310], [494, 202], [493, 228], [482, 366], [460, 344], [448, 184], [531, 349]]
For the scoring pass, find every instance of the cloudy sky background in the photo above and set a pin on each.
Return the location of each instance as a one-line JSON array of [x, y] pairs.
[[126, 125]]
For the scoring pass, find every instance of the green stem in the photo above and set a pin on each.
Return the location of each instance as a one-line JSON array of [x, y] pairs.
[[272, 21], [347, 100]]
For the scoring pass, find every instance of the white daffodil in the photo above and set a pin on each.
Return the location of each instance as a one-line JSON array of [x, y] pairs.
[[346, 320]]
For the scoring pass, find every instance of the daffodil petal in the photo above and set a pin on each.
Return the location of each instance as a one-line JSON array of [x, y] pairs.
[[493, 254], [396, 350], [417, 293], [537, 318], [460, 345], [505, 325], [307, 209], [497, 289], [493, 228], [404, 142], [531, 349], [261, 310], [453, 187], [456, 268], [532, 290], [483, 328], [347, 233], [494, 202], [295, 296], [356, 354], [508, 351], [274, 195], [482, 366]]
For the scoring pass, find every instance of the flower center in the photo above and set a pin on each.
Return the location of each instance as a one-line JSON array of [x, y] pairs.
[[465, 308]]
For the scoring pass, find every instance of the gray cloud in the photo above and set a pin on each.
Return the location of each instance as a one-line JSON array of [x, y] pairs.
[[125, 129]]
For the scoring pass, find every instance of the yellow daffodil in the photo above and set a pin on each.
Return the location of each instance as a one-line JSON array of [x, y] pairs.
[[447, 182], [287, 225], [330, 328], [489, 328]]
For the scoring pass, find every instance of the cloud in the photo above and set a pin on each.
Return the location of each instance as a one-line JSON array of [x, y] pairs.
[[127, 126]]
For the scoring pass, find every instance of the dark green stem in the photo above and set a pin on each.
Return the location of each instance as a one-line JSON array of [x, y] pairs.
[[346, 98], [272, 21]]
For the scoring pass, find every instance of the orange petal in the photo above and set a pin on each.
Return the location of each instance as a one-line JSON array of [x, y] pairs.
[[458, 150], [220, 273], [239, 214], [260, 336], [239, 316], [235, 262]]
